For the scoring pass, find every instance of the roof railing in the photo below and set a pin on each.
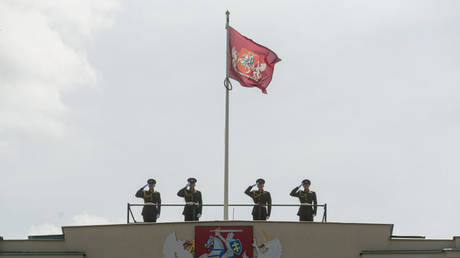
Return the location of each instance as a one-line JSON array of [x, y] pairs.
[[130, 213]]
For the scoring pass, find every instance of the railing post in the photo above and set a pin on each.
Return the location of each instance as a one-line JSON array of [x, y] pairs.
[[325, 212], [127, 211]]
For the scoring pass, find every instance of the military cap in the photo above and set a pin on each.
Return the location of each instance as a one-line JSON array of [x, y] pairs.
[[151, 181], [306, 181], [191, 180], [260, 181]]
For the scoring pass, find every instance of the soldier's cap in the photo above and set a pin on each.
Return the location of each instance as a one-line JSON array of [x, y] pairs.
[[306, 181], [191, 180], [260, 181], [151, 181]]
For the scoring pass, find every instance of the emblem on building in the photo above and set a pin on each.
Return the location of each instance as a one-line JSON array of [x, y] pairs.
[[223, 242], [271, 248], [173, 248], [248, 63]]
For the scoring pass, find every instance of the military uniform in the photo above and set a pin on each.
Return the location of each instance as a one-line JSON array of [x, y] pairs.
[[153, 201], [308, 203], [193, 202], [263, 201]]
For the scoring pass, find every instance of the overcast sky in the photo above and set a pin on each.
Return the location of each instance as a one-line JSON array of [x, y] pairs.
[[98, 96]]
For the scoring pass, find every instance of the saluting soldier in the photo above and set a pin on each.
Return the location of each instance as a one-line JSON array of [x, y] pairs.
[[193, 202], [262, 200], [152, 201], [308, 201]]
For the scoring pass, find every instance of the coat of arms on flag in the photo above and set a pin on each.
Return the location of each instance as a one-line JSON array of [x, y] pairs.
[[248, 64], [223, 242]]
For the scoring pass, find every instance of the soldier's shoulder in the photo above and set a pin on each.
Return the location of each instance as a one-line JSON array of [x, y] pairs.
[[156, 192], [266, 192], [311, 191]]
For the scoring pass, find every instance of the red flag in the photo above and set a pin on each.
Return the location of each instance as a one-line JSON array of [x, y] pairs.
[[251, 64]]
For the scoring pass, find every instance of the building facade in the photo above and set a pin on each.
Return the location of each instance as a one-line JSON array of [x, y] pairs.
[[230, 239]]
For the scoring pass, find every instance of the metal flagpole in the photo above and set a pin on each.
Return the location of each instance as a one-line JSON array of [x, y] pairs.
[[228, 87]]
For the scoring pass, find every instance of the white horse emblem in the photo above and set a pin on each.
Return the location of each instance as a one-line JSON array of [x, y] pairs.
[[221, 247]]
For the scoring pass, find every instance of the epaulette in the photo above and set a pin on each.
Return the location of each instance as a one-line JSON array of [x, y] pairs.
[[310, 191]]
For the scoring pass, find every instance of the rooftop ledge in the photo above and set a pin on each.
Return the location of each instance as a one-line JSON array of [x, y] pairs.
[[57, 237]]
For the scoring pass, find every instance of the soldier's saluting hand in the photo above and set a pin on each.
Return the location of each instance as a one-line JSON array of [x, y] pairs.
[[262, 200], [193, 201], [308, 201]]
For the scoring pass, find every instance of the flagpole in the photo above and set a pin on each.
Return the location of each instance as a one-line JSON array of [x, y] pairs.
[[227, 96]]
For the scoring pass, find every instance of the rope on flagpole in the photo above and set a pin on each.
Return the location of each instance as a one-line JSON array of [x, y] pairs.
[[228, 84]]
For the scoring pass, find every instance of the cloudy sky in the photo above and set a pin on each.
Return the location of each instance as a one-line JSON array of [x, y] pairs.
[[98, 96]]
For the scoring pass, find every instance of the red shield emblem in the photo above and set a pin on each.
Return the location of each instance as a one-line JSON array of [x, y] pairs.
[[246, 61], [227, 241], [248, 64]]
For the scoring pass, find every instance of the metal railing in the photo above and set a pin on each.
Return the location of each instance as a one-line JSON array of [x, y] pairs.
[[130, 213]]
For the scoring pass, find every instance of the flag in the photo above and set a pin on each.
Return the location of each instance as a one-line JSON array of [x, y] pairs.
[[250, 64]]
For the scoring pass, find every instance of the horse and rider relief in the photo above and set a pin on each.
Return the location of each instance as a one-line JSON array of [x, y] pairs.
[[211, 241], [222, 242]]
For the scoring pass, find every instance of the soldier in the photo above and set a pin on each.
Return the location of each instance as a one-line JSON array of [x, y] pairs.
[[193, 202], [262, 199], [152, 200], [307, 200]]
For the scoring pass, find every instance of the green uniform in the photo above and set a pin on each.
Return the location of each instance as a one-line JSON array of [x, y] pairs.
[[193, 203], [149, 212], [263, 200], [306, 212]]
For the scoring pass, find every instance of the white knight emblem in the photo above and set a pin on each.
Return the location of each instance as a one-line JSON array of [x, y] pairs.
[[248, 64]]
